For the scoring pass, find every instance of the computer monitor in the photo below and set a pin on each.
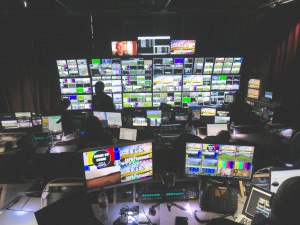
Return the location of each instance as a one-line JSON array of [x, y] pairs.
[[109, 119], [170, 98], [208, 111], [222, 119], [167, 83], [37, 119], [279, 175], [225, 82], [181, 115], [141, 83], [214, 129], [196, 112], [183, 47], [137, 100], [269, 95], [115, 165], [253, 93], [16, 120], [139, 122], [219, 160], [196, 82], [75, 85], [52, 123], [154, 117], [154, 45], [129, 48], [254, 83]]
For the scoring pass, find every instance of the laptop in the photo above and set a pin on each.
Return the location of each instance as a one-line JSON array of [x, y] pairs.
[[258, 201], [214, 129], [279, 175], [72, 210]]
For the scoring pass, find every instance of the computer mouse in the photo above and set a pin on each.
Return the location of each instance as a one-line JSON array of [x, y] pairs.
[[275, 184]]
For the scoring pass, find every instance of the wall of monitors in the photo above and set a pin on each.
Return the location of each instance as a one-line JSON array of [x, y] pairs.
[[146, 82]]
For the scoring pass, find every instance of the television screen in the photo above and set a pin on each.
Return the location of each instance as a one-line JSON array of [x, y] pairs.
[[136, 66], [105, 67], [167, 83], [52, 123], [227, 66], [208, 111], [171, 98], [269, 95], [196, 83], [137, 100], [72, 68], [75, 85], [219, 160], [79, 101], [142, 83], [225, 82], [236, 66], [113, 84], [219, 62], [17, 120], [37, 120], [201, 98], [154, 117], [254, 83], [183, 47], [155, 45], [117, 99], [222, 113], [253, 93], [139, 122], [82, 67], [117, 165], [123, 48], [181, 115], [198, 66], [62, 68], [214, 129], [208, 66], [222, 119], [220, 97], [109, 119], [196, 111]]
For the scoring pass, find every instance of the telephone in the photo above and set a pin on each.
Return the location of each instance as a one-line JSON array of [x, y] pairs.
[[219, 199]]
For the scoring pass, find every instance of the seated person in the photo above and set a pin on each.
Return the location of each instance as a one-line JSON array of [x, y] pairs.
[[95, 134], [222, 137]]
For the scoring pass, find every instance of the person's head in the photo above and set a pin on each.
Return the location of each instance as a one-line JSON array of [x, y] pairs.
[[65, 103], [99, 87], [93, 125], [224, 135], [237, 97], [120, 48], [285, 204]]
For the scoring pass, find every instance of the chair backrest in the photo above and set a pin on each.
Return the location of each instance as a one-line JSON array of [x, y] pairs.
[[294, 149]]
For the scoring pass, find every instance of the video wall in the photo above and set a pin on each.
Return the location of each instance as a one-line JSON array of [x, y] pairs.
[[149, 81]]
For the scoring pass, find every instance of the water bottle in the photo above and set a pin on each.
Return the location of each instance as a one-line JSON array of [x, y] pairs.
[[103, 205], [231, 128]]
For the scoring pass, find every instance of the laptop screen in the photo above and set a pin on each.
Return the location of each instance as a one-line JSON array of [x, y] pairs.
[[214, 129], [258, 201]]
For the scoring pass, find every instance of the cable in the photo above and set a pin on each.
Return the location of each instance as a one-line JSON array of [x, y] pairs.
[[147, 216]]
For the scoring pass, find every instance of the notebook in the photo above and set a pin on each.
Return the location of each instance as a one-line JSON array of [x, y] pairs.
[[258, 201], [214, 129], [72, 210], [128, 134]]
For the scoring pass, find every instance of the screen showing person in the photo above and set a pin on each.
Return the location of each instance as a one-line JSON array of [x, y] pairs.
[[52, 123], [123, 48], [117, 165], [219, 160], [139, 122], [183, 47], [154, 117], [109, 119], [208, 111]]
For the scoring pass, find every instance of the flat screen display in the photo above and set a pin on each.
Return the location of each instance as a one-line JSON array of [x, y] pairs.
[[79, 101], [154, 45], [168, 83], [139, 122], [75, 85], [17, 120], [123, 48], [253, 93], [200, 98], [117, 165], [219, 160], [171, 98], [137, 100], [109, 119], [196, 83], [208, 111], [154, 117], [52, 123], [269, 95], [254, 83], [183, 47]]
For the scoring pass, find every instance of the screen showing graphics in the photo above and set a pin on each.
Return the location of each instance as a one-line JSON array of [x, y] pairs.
[[156, 45], [181, 115], [269, 95], [137, 83], [198, 65], [79, 101], [154, 117], [222, 119], [219, 160], [123, 48], [183, 47], [139, 122], [105, 67], [222, 113], [219, 62], [17, 120], [254, 83], [72, 68], [225, 82], [36, 120], [117, 165], [82, 67], [75, 85], [117, 99], [136, 66], [188, 66], [196, 83], [165, 66], [195, 112], [167, 83], [236, 66], [208, 111], [52, 123], [109, 119], [227, 65], [220, 97], [201, 98], [172, 98], [253, 93], [208, 65], [113, 84], [137, 100], [62, 68]]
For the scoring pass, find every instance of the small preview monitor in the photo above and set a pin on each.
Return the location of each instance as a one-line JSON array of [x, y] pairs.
[[253, 93], [37, 120], [219, 160], [17, 120], [128, 134], [208, 111], [154, 117], [139, 122], [254, 83], [269, 95], [117, 165], [52, 123], [196, 112], [222, 119], [123, 48], [214, 129], [109, 119], [183, 47], [181, 115]]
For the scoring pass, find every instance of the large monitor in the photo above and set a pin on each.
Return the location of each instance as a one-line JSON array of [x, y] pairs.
[[75, 85], [17, 120], [208, 111], [167, 83], [154, 45], [196, 83], [123, 48], [141, 83], [154, 117], [219, 160], [225, 82], [171, 98], [200, 98], [117, 165], [79, 101], [137, 100], [183, 47], [109, 119]]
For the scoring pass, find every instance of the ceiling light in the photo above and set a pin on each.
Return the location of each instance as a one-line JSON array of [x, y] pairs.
[[284, 1]]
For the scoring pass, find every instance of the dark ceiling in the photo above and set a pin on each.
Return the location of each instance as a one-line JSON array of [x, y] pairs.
[[145, 7]]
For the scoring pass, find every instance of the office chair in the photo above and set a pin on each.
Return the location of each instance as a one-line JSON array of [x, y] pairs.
[[294, 149]]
